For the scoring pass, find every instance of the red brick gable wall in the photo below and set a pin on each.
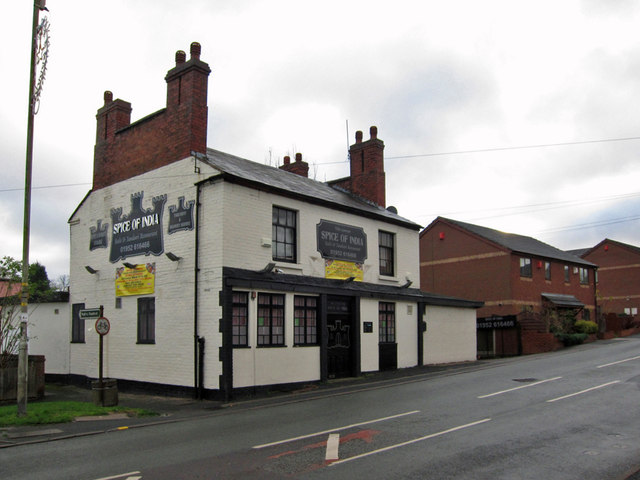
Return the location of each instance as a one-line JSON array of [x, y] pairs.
[[124, 150]]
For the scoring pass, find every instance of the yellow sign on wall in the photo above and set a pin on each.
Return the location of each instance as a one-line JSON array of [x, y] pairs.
[[136, 281], [342, 270]]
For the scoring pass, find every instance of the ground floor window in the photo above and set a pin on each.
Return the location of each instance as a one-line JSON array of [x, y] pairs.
[[270, 319], [147, 320], [240, 319], [387, 322], [77, 324], [305, 320]]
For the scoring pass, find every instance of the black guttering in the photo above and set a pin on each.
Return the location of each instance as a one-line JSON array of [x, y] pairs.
[[236, 277]]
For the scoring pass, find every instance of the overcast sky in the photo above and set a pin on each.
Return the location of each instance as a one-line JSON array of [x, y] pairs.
[[472, 100]]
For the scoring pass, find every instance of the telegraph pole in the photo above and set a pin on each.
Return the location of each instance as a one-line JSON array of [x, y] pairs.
[[39, 52]]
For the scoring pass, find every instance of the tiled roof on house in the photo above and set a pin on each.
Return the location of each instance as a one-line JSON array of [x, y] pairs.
[[519, 243], [265, 177]]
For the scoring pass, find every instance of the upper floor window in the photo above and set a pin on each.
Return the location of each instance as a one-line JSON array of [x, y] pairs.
[[240, 319], [525, 267], [305, 320], [547, 271], [270, 319], [567, 277], [584, 276], [283, 234], [386, 249]]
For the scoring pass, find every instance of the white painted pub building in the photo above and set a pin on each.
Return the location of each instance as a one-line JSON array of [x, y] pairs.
[[218, 274]]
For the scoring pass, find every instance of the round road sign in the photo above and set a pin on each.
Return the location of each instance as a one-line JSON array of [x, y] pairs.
[[102, 326]]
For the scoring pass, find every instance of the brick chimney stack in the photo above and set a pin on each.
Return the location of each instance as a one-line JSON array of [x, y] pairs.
[[367, 168], [124, 150], [299, 167]]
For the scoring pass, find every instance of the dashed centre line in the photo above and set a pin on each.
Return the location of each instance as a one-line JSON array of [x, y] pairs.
[[333, 430], [619, 361], [416, 440], [519, 388], [582, 391]]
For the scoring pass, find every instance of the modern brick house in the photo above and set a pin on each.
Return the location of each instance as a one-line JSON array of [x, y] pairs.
[[618, 285], [219, 274], [525, 284]]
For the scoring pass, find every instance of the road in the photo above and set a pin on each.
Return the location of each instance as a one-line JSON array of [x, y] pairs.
[[566, 415]]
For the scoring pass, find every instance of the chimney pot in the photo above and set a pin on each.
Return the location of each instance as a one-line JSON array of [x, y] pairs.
[[108, 97], [195, 50], [181, 57], [287, 160], [373, 132], [298, 157], [359, 136]]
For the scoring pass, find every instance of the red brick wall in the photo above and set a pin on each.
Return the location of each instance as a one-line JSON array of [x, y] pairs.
[[618, 276], [124, 150], [367, 168], [537, 342], [456, 262]]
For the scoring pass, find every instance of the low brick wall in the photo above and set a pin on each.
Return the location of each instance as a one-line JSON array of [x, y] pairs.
[[539, 342]]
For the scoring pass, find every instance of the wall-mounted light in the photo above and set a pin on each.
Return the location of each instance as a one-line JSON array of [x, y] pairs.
[[268, 268], [129, 265], [92, 271], [172, 256]]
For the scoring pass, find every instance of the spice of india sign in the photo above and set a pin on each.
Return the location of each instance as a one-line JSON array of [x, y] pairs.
[[341, 242]]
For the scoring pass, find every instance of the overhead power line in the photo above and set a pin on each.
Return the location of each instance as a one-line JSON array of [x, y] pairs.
[[517, 147]]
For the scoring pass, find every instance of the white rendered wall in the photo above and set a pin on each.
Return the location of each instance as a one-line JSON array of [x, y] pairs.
[[450, 335], [49, 335], [170, 360]]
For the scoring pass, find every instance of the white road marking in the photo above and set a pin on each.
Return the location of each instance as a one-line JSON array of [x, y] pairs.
[[122, 475], [332, 447], [403, 444], [582, 391], [619, 361], [337, 429], [520, 387]]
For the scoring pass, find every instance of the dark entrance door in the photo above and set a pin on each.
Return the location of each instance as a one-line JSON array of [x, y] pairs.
[[339, 337]]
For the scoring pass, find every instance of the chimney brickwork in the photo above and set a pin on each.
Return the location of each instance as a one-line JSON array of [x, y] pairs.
[[299, 167], [124, 150], [367, 179]]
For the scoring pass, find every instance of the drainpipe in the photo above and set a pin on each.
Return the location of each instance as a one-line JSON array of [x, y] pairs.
[[197, 371]]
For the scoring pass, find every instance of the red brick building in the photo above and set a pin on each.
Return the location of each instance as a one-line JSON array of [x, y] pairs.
[[528, 287], [618, 283]]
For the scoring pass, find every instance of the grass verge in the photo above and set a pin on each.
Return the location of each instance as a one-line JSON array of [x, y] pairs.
[[61, 412]]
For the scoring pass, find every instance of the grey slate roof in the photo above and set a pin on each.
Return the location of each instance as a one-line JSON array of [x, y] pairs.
[[520, 243], [260, 176], [561, 300]]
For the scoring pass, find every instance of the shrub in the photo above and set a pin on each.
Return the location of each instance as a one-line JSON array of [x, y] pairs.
[[569, 339], [586, 326]]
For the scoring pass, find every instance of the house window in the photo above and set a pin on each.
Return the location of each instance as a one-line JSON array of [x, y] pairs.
[[567, 277], [270, 319], [305, 320], [240, 319], [147, 320], [386, 247], [547, 271], [77, 324], [387, 322], [525, 267], [584, 276], [283, 234]]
